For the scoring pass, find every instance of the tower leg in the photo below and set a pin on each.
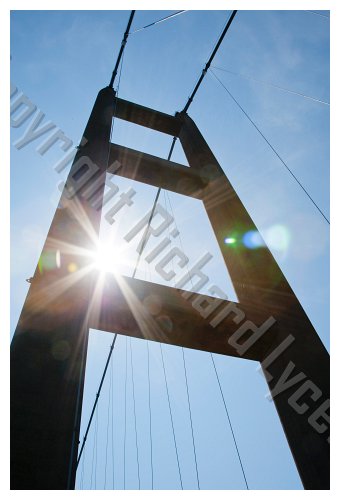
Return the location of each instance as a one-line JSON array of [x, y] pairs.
[[49, 347], [259, 282]]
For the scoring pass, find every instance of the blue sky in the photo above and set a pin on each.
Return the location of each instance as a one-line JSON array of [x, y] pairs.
[[60, 60]]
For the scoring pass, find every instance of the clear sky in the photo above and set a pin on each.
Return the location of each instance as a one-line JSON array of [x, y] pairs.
[[60, 60]]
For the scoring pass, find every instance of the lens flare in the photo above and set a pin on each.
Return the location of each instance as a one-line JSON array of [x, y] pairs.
[[278, 238], [72, 267], [229, 241], [252, 240], [49, 260]]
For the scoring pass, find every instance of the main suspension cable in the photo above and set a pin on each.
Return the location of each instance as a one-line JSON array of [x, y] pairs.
[[82, 471], [185, 109], [115, 337], [122, 48], [107, 429], [96, 399], [207, 66]]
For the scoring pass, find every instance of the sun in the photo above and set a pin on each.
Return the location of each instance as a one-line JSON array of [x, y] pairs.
[[108, 260]]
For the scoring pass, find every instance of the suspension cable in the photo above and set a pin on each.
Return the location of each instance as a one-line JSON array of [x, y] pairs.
[[190, 99], [185, 109], [112, 427], [270, 145], [107, 428], [94, 452], [82, 471], [191, 424], [96, 448], [204, 71], [150, 421], [229, 420], [166, 18], [144, 240], [77, 419], [180, 239], [317, 13], [125, 393], [166, 196], [272, 85], [97, 397], [115, 337], [134, 412], [171, 417], [122, 48]]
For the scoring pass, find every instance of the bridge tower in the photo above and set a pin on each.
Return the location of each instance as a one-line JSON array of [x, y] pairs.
[[49, 348]]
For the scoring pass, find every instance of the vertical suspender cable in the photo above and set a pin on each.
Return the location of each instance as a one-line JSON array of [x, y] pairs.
[[112, 427], [96, 449], [94, 452], [144, 240], [150, 421], [134, 412], [125, 392], [191, 424], [171, 417]]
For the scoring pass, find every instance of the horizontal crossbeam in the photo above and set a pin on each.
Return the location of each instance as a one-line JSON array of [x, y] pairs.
[[147, 117], [155, 312], [149, 169]]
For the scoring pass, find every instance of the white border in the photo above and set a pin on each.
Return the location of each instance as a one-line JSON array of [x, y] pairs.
[[5, 7]]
